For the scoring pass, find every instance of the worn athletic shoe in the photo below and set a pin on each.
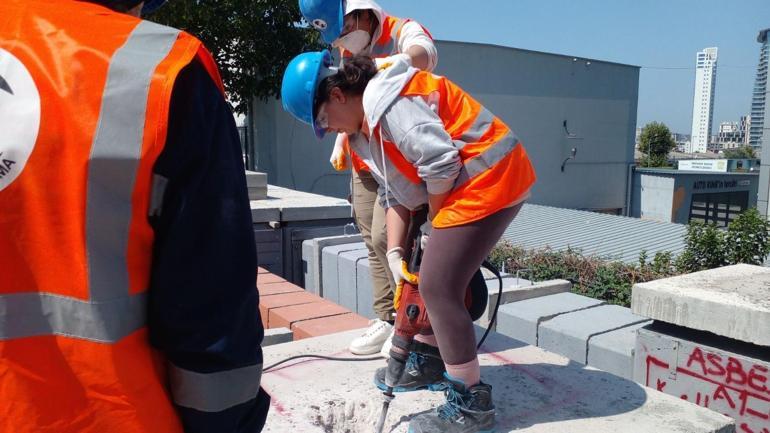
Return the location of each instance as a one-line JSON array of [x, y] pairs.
[[385, 351], [465, 411], [372, 339], [421, 372]]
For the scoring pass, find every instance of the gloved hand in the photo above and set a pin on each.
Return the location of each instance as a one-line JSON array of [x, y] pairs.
[[339, 157], [397, 266], [383, 62], [425, 230]]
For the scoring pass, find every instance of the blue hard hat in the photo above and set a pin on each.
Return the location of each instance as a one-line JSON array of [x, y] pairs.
[[300, 82], [151, 6], [326, 16]]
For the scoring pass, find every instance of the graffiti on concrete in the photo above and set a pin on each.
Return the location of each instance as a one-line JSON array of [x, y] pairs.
[[726, 384]]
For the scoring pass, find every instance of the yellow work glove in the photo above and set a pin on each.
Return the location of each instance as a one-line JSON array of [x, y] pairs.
[[339, 158], [398, 268]]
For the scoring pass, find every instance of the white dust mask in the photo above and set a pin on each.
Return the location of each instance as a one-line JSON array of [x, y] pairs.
[[355, 41]]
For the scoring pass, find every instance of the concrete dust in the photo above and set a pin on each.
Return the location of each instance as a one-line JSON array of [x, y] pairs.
[[338, 416]]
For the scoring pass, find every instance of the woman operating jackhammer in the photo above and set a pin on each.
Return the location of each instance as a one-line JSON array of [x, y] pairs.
[[427, 143]]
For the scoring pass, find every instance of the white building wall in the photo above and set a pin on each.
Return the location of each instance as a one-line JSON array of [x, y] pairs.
[[703, 100]]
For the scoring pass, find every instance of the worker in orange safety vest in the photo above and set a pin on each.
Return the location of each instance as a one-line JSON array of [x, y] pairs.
[[128, 302]]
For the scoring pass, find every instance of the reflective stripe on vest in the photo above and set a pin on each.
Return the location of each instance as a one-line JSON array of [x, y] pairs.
[[214, 392], [110, 314]]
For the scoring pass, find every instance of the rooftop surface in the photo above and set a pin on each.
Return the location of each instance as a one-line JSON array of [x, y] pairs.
[[535, 392]]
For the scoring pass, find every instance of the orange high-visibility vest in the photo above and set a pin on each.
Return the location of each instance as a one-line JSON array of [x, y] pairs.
[[93, 90], [385, 46], [496, 171]]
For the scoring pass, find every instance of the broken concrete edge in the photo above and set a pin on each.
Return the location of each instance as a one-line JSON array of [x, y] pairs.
[[732, 301], [545, 319], [277, 336]]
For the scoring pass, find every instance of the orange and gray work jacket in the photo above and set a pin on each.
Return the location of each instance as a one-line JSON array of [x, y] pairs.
[[90, 93], [427, 136], [385, 46]]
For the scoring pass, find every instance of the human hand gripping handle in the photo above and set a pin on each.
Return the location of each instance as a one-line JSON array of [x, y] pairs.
[[398, 268]]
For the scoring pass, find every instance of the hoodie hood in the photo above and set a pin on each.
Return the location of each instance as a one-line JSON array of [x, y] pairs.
[[354, 5], [385, 87]]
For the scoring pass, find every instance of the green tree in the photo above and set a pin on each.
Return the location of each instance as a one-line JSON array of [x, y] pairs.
[[251, 40], [656, 142], [743, 152], [704, 248]]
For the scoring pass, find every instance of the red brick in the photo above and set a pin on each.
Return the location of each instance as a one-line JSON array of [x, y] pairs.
[[328, 325], [278, 288], [285, 317], [268, 278], [284, 300]]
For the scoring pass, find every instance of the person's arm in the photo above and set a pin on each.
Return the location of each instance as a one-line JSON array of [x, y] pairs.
[[416, 42], [203, 303], [396, 225]]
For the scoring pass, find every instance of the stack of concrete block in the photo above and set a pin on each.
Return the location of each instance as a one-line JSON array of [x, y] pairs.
[[583, 329], [312, 257], [710, 343], [257, 185]]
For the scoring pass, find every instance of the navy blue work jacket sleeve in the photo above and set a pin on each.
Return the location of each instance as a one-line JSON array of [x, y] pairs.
[[203, 303]]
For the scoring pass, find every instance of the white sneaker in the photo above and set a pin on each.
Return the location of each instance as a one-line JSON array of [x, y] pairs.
[[372, 340], [385, 351]]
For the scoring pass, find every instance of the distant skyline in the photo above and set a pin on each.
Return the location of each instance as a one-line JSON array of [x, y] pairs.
[[662, 37]]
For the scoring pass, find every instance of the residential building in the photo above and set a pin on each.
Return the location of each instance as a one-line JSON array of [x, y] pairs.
[[760, 100], [703, 99], [732, 134]]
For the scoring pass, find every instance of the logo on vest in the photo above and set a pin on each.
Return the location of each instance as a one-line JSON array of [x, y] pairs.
[[19, 117]]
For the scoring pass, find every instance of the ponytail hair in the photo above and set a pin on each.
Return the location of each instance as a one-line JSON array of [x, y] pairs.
[[351, 78]]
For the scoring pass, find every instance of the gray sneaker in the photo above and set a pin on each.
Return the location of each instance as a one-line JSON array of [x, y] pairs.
[[465, 411], [421, 372]]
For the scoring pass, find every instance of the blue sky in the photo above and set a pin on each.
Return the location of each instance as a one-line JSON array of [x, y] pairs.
[[647, 33]]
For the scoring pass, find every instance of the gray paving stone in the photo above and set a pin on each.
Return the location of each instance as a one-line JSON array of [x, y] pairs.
[[515, 290], [520, 320], [613, 351], [732, 301], [568, 334], [330, 274], [311, 256], [347, 267]]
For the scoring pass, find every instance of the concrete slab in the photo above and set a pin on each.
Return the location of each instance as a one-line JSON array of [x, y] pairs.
[[277, 336], [722, 374], [569, 334], [733, 301], [311, 256], [330, 278], [294, 205], [534, 391], [521, 320], [347, 267], [613, 351], [365, 289], [519, 289]]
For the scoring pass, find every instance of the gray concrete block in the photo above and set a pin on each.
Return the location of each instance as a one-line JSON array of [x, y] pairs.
[[347, 268], [365, 289], [329, 272], [732, 301], [311, 256], [521, 320], [256, 179], [515, 290], [613, 351], [277, 336], [568, 334]]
